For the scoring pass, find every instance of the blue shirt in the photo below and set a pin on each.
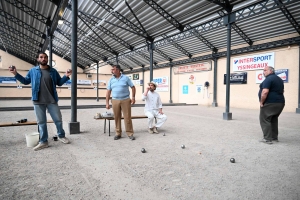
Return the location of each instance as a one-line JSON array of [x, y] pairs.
[[276, 88], [119, 87], [33, 77]]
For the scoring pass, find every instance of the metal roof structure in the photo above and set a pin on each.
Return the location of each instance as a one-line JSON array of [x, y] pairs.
[[123, 31]]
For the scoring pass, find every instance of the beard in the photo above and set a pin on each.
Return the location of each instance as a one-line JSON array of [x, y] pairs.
[[43, 62]]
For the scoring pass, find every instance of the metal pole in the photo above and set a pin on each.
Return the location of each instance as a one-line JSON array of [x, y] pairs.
[[74, 125], [215, 104], [151, 60], [143, 88], [97, 81], [170, 101], [50, 47], [117, 59], [227, 115], [298, 109]]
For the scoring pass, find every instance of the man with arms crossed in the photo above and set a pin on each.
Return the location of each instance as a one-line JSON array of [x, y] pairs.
[[271, 104], [121, 102], [153, 108], [43, 80]]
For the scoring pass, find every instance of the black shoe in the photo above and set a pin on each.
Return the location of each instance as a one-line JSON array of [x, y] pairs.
[[275, 140], [117, 137], [132, 137]]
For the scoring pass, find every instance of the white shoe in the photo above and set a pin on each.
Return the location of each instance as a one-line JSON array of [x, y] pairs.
[[41, 146], [64, 140]]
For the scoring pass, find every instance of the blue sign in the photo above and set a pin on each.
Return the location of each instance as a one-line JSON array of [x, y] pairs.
[[283, 74], [4, 79], [185, 89]]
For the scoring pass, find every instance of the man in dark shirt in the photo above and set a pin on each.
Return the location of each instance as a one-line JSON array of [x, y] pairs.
[[271, 104]]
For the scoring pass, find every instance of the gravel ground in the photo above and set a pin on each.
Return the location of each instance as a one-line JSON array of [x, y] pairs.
[[94, 166]]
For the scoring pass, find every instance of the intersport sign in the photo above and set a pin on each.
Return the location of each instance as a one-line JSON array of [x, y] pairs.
[[253, 62]]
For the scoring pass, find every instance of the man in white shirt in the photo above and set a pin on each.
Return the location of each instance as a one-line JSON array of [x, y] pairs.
[[153, 108]]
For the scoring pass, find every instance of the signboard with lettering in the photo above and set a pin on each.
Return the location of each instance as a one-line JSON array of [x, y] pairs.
[[162, 84], [4, 79], [282, 73], [199, 67], [135, 76], [239, 77], [254, 62]]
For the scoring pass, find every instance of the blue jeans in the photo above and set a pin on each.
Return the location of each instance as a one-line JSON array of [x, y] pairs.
[[41, 118]]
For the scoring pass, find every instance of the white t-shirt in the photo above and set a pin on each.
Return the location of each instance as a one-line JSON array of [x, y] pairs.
[[152, 101]]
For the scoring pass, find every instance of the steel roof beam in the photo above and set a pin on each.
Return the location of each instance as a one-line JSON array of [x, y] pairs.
[[105, 45], [123, 19], [288, 15], [108, 32], [223, 3], [163, 54], [178, 46], [147, 58], [135, 16], [61, 5], [238, 30], [17, 40], [135, 61], [69, 24], [59, 51], [165, 14], [68, 37], [18, 33], [17, 48], [18, 4], [23, 44], [21, 23], [127, 66], [202, 39]]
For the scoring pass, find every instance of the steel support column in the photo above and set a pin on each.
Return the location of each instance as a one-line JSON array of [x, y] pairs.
[[143, 88], [74, 126], [151, 47], [97, 81], [171, 101], [214, 103], [298, 109], [227, 115], [50, 46]]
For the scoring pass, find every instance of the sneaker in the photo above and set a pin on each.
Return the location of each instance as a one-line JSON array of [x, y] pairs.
[[150, 130], [155, 130], [41, 146], [132, 137], [266, 141], [64, 140], [117, 137]]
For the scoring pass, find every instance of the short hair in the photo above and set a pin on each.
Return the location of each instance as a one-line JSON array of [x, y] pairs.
[[39, 53], [271, 69], [117, 67]]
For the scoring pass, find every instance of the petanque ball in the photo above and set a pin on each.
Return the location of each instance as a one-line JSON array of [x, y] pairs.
[[182, 146], [143, 150], [232, 160]]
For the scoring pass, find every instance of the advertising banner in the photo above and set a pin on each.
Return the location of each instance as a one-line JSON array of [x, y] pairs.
[[4, 79], [162, 83], [253, 62], [282, 73], [84, 82], [199, 67]]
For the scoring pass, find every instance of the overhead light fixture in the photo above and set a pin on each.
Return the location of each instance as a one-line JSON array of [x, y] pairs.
[[60, 21]]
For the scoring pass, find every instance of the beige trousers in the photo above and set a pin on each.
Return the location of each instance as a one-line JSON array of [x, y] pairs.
[[119, 107]]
